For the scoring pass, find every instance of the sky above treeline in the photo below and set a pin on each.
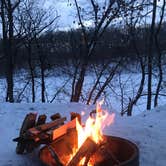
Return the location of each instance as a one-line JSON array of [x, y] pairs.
[[67, 13]]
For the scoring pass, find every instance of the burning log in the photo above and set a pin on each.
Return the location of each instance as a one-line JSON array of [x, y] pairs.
[[111, 155], [57, 162], [87, 149], [87, 158], [104, 156], [64, 139], [59, 151]]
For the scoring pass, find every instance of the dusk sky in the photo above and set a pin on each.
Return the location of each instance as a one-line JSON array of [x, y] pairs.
[[64, 10], [67, 13]]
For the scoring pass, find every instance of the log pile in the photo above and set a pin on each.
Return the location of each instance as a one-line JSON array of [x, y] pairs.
[[35, 132]]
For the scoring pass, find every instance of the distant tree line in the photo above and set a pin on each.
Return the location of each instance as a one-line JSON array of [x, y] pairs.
[[60, 47]]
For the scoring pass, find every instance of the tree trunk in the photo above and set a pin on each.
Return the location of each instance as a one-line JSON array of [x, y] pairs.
[[160, 74], [42, 82], [9, 79], [141, 86], [139, 92], [79, 84], [159, 63], [31, 72], [42, 69], [7, 30], [150, 56], [11, 52], [73, 83]]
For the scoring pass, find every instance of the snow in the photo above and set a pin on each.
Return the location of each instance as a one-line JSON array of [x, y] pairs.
[[59, 84], [147, 130]]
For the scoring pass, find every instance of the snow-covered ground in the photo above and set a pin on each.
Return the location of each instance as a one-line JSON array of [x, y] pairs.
[[60, 85], [147, 130]]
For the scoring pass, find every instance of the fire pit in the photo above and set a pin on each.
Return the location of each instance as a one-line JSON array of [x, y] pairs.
[[119, 152], [125, 151], [75, 143]]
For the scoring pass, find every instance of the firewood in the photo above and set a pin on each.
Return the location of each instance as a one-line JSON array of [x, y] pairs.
[[63, 129], [30, 143], [57, 161], [44, 127], [75, 115], [41, 120], [55, 116], [88, 148], [62, 147], [52, 134], [87, 159], [28, 122], [104, 156]]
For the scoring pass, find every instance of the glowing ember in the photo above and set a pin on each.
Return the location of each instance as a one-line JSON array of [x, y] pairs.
[[82, 161], [93, 128]]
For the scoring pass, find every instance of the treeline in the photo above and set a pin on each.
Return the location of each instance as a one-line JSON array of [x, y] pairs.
[[62, 47]]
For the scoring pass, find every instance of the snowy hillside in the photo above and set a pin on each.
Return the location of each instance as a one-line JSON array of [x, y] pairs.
[[147, 130]]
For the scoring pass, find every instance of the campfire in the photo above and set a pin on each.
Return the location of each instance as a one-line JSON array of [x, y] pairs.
[[76, 143], [90, 137]]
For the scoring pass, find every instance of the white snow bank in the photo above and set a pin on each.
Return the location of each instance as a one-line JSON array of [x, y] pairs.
[[147, 130]]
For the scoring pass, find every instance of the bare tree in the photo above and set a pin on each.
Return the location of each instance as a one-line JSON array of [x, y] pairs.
[[107, 81], [159, 54], [134, 18], [150, 55], [26, 27], [33, 21], [7, 11], [100, 15]]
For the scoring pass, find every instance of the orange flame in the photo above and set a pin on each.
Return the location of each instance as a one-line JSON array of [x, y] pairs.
[[93, 128]]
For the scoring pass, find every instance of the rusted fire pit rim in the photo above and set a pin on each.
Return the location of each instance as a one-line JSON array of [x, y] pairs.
[[135, 154]]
